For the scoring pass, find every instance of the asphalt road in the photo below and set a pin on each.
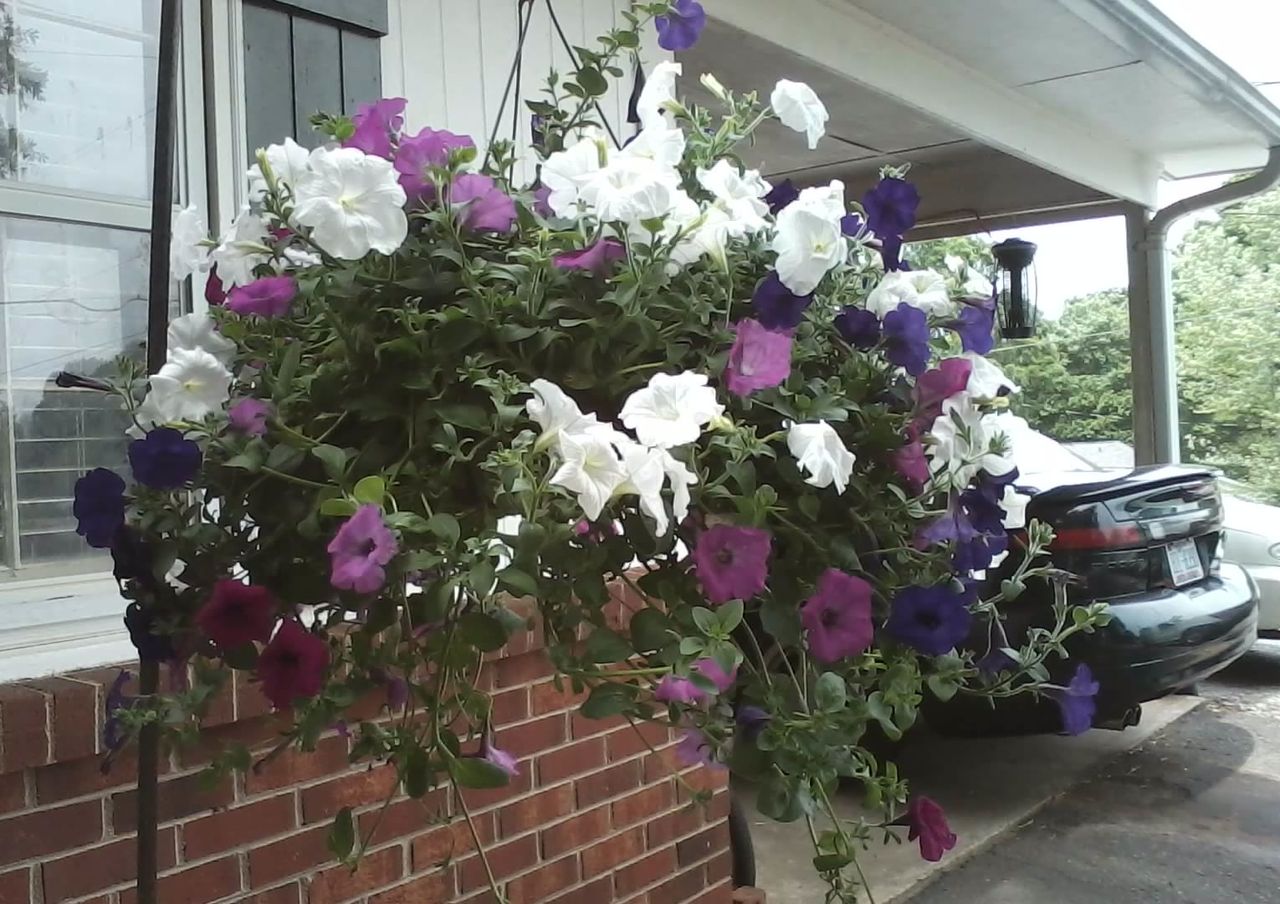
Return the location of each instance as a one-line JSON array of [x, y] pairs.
[[1193, 815]]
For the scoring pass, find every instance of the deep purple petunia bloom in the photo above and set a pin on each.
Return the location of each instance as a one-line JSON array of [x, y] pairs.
[[910, 460], [140, 621], [215, 293], [132, 557], [483, 206], [976, 327], [891, 207], [858, 327], [1076, 701], [498, 757], [851, 224], [397, 693], [952, 526], [164, 459], [269, 296], [995, 662], [675, 689], [236, 614], [927, 821], [781, 195], [752, 720], [838, 616], [681, 26], [113, 737], [362, 546], [376, 124], [597, 259], [759, 359], [99, 506], [891, 254], [931, 620], [292, 665], [710, 669], [417, 154], [249, 416], [906, 338], [732, 562], [776, 307], [940, 383], [695, 750]]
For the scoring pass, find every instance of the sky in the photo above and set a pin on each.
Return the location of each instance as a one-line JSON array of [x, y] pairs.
[[1075, 259]]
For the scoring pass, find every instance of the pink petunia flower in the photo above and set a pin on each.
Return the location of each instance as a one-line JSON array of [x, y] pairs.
[[360, 549], [376, 125], [838, 616], [292, 665], [417, 154], [236, 614], [483, 206], [674, 689], [759, 359], [928, 822], [269, 296], [710, 669], [498, 757], [249, 416], [596, 259], [732, 562]]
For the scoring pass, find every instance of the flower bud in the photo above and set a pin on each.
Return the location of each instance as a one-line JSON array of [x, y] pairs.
[[712, 84]]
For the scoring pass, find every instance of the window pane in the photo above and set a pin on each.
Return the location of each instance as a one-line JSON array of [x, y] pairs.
[[77, 94], [73, 297]]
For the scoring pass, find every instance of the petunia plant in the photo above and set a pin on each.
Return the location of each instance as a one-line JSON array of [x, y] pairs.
[[423, 390]]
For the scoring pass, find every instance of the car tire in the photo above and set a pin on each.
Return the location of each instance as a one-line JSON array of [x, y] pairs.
[[741, 848], [1193, 689]]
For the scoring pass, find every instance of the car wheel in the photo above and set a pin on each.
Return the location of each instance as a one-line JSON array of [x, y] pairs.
[[1191, 690], [741, 848]]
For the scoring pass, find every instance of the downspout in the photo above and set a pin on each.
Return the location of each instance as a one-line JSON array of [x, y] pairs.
[[1165, 445]]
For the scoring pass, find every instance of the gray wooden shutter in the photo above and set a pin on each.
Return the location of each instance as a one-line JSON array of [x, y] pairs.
[[305, 56]]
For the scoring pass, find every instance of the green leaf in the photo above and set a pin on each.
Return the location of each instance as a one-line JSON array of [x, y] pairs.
[[333, 459], [340, 508], [288, 369], [285, 458], [251, 459], [778, 800], [830, 692], [691, 646], [606, 646], [706, 621], [730, 616], [482, 631], [481, 577], [1011, 589], [592, 82], [608, 699], [650, 630], [416, 773], [342, 834], [944, 687], [518, 581], [444, 526], [781, 621], [474, 772], [370, 490], [828, 863]]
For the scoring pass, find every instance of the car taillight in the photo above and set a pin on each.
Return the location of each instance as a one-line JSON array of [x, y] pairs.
[[1116, 537]]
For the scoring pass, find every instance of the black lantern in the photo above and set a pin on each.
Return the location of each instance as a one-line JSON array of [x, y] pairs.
[[1015, 284]]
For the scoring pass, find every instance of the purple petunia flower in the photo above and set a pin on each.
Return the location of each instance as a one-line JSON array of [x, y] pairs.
[[292, 665], [1076, 701], [493, 754], [98, 506], [483, 207], [838, 616], [927, 822], [710, 669], [376, 125], [995, 662], [976, 327], [269, 296], [542, 202], [597, 259], [675, 689], [938, 384], [910, 460], [759, 359], [140, 622], [891, 254], [891, 207], [776, 307], [858, 327], [164, 459], [851, 224], [752, 720], [681, 26], [952, 526], [249, 416], [112, 733], [362, 546], [695, 750], [906, 338], [931, 620], [397, 693], [781, 195], [732, 562], [417, 154]]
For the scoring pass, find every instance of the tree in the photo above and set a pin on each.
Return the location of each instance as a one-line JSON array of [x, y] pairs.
[[22, 81]]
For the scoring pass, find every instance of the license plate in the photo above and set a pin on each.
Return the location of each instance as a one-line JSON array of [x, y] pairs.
[[1184, 562]]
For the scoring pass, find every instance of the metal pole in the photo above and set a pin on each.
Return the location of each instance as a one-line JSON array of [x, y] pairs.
[[157, 329]]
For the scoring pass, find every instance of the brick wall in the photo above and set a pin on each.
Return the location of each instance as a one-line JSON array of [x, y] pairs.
[[593, 817]]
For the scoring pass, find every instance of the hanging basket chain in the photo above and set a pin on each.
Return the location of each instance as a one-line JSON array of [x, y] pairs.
[[573, 58], [524, 15]]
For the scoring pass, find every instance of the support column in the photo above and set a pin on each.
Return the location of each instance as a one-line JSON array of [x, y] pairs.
[[1151, 342]]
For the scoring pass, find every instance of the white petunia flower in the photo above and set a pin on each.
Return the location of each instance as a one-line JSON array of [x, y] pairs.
[[659, 89], [817, 449], [192, 384], [353, 203], [809, 241], [706, 235], [739, 194], [921, 289], [679, 478], [798, 107], [241, 249], [712, 84], [973, 284], [1015, 508], [672, 410], [556, 413], [290, 163], [645, 478], [187, 252], [298, 259], [591, 469], [565, 172], [962, 442], [663, 146], [986, 379], [630, 190], [198, 331]]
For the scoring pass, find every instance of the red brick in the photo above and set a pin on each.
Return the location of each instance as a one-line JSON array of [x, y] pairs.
[[195, 884], [371, 786], [238, 826], [660, 765], [295, 854], [582, 727], [483, 799], [221, 709], [45, 832], [603, 857], [606, 783], [534, 887], [13, 792], [73, 715], [748, 895], [505, 860], [436, 887], [95, 869], [597, 892], [177, 798], [404, 818], [510, 706], [523, 669], [703, 778], [547, 698], [658, 865], [681, 887], [24, 738], [340, 883], [720, 867], [293, 767], [250, 701], [704, 844], [254, 734], [15, 886], [535, 810], [670, 826], [281, 894], [575, 832], [642, 805], [635, 739], [575, 759], [717, 807], [529, 738], [452, 841], [62, 781]]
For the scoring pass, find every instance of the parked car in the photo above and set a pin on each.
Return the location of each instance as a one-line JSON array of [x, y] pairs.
[[1148, 542], [1252, 540]]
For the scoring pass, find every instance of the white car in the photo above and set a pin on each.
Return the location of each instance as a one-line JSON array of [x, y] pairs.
[[1252, 537]]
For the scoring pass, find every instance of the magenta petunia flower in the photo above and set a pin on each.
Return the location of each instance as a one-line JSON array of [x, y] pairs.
[[292, 665], [249, 416], [695, 750], [674, 689], [732, 562], [498, 757], [928, 822], [759, 358], [236, 614], [910, 461], [597, 259], [935, 386], [266, 297], [215, 293], [542, 202], [710, 669], [838, 616], [362, 546], [417, 154], [376, 124], [483, 206]]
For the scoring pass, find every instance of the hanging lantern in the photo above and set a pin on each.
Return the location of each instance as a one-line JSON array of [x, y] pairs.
[[1015, 285]]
